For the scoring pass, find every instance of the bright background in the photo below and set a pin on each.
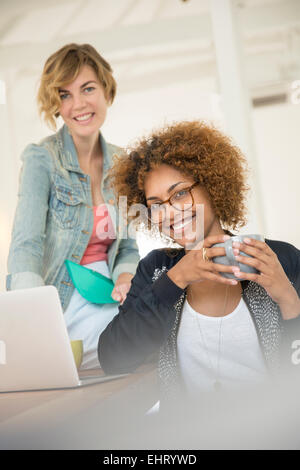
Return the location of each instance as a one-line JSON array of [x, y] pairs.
[[164, 55]]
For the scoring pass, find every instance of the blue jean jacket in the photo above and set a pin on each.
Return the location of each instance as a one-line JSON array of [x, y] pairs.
[[54, 217]]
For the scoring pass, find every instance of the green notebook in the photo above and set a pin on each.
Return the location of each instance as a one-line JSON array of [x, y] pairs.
[[93, 286]]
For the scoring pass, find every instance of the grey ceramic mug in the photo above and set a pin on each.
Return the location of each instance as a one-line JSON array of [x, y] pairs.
[[230, 260]]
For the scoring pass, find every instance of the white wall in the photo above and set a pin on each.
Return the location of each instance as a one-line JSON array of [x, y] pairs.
[[278, 149], [276, 136], [132, 115]]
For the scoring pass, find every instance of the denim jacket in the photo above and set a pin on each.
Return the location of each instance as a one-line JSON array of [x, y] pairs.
[[54, 217]]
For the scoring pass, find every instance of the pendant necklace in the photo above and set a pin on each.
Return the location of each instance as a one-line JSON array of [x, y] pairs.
[[217, 385]]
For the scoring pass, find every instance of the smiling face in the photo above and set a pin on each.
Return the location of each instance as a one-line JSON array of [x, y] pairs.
[[83, 104], [184, 227]]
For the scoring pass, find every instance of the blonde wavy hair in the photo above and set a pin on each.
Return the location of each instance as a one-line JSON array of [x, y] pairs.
[[62, 68]]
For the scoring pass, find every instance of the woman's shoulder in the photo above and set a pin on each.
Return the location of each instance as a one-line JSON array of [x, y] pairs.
[[39, 148], [36, 154], [288, 255], [161, 259], [283, 248], [115, 148], [43, 152]]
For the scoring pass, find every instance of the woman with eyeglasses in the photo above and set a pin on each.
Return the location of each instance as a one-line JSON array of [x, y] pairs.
[[213, 326]]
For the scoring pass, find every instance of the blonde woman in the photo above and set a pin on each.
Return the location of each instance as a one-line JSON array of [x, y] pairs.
[[64, 196]]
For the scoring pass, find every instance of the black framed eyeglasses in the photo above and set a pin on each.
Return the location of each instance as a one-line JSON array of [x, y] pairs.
[[181, 200]]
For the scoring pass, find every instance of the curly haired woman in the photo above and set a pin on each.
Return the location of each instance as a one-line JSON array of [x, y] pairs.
[[211, 330]]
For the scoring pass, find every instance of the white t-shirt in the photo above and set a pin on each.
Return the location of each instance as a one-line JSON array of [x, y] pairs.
[[200, 337]]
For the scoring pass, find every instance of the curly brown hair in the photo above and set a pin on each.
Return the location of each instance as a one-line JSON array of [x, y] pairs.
[[196, 150]]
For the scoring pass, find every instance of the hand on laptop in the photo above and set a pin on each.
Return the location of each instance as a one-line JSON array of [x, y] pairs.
[[122, 287]]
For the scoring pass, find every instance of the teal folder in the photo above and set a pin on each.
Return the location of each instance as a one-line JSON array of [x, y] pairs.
[[91, 285]]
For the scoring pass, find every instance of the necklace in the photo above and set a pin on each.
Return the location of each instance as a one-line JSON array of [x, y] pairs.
[[217, 385]]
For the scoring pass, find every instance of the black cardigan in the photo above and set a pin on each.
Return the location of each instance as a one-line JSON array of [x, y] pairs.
[[148, 321]]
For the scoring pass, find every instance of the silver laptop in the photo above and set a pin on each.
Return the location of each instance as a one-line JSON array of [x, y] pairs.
[[35, 349]]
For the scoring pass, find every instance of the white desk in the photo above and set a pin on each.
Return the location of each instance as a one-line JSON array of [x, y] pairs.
[[91, 417]]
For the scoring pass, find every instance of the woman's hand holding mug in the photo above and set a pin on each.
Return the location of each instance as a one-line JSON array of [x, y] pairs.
[[270, 275], [196, 265]]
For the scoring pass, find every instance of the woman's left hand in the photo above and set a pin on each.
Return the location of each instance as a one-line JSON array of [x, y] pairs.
[[271, 275], [122, 287]]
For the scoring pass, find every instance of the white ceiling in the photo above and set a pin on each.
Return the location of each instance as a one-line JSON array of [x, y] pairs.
[[153, 42]]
